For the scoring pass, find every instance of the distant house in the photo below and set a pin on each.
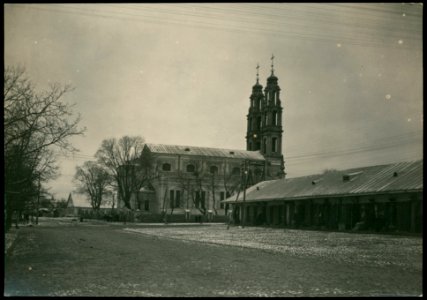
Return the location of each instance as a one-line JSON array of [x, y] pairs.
[[70, 209], [384, 197], [78, 202]]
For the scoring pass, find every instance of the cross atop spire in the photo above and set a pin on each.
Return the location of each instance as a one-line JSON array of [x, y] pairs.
[[257, 73], [272, 64]]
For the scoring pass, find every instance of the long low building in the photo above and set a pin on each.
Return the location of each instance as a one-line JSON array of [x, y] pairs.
[[381, 198]]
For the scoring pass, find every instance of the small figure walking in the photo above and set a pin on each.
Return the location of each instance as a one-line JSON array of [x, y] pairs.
[[229, 218]]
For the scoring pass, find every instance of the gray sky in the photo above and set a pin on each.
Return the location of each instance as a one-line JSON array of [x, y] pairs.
[[350, 74]]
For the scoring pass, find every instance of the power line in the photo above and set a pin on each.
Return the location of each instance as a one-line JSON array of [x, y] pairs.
[[393, 144], [244, 15], [321, 18], [354, 22], [393, 138], [219, 26], [334, 155]]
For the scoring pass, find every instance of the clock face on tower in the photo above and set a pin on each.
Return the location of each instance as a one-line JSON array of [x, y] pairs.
[[255, 136]]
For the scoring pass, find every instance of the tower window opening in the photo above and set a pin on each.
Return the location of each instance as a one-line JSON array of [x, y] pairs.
[[266, 119], [264, 146], [276, 118], [274, 144], [259, 123], [166, 167], [191, 168], [259, 103]]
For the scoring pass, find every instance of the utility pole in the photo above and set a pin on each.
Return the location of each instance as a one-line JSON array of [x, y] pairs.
[[244, 192], [187, 211], [38, 202], [233, 209]]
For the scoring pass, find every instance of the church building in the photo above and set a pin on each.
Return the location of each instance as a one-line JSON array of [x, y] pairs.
[[191, 181]]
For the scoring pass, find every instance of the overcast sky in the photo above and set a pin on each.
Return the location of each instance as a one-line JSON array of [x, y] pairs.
[[350, 74]]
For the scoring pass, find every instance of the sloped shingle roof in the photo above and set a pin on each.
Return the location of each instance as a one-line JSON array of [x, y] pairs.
[[204, 151], [405, 176]]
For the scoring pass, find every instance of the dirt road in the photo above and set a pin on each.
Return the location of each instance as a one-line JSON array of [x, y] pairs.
[[104, 260]]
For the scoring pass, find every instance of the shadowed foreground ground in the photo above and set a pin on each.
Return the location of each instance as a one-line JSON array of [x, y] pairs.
[[100, 259]]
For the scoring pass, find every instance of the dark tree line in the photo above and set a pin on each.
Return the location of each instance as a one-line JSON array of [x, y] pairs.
[[37, 124]]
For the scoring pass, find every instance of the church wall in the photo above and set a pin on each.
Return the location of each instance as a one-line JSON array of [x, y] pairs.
[[187, 183]]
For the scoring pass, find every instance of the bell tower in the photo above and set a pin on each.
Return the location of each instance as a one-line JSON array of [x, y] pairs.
[[254, 117], [271, 133]]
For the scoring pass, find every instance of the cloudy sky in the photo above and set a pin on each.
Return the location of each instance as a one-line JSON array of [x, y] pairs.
[[350, 74]]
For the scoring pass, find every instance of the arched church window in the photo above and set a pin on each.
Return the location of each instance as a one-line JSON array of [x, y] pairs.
[[191, 168], [236, 171], [276, 118], [213, 170], [166, 167]]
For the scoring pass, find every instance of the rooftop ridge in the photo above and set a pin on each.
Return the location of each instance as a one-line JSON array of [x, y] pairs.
[[205, 152], [199, 147], [359, 169]]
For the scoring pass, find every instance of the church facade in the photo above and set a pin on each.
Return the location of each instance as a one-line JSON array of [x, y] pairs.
[[189, 182]]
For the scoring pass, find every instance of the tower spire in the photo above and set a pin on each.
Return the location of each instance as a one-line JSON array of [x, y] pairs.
[[272, 64], [257, 73]]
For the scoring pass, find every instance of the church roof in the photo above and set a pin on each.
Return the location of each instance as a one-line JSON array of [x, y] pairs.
[[391, 178], [205, 151]]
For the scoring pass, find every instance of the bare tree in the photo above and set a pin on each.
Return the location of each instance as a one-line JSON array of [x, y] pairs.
[[192, 183], [199, 181], [231, 180], [94, 180], [128, 163], [34, 122], [213, 192]]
